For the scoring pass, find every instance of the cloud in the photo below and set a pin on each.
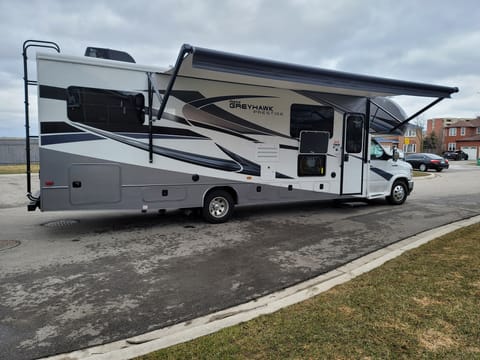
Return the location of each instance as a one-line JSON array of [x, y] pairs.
[[428, 41]]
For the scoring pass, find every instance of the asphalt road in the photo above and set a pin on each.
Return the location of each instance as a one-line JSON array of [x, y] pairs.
[[73, 280]]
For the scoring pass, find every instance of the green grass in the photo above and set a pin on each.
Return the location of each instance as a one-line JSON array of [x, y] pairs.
[[424, 304], [420, 173], [18, 169]]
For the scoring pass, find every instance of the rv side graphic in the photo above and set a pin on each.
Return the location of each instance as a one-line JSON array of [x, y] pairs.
[[215, 131]]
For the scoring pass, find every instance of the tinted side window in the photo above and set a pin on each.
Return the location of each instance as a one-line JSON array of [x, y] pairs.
[[311, 165], [101, 107], [310, 117], [314, 142]]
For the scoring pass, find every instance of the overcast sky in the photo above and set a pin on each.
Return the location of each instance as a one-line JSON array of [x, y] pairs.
[[431, 41]]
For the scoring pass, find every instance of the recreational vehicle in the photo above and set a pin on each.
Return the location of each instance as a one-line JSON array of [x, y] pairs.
[[214, 131]]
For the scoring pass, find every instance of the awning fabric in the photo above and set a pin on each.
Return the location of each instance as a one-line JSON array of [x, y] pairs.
[[298, 77]]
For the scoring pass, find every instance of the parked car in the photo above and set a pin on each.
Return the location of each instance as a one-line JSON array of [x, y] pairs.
[[455, 155], [426, 161]]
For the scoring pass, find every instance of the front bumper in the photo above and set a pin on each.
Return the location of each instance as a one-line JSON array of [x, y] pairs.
[[410, 186]]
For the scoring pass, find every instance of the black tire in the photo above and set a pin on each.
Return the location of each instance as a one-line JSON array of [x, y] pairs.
[[398, 194], [217, 207], [439, 169], [422, 167]]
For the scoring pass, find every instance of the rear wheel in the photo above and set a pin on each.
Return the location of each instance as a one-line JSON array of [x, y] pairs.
[[422, 167], [217, 207], [439, 169], [399, 194]]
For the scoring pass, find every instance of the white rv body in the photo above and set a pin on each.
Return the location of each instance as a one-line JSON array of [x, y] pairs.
[[258, 138]]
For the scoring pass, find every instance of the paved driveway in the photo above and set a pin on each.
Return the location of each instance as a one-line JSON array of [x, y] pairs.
[[73, 280]]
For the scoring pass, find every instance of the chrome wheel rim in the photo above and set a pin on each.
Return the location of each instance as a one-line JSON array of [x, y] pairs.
[[218, 207], [398, 193]]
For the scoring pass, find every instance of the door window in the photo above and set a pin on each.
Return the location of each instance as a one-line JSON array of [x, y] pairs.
[[354, 136]]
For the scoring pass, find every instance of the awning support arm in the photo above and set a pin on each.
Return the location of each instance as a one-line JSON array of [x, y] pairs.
[[150, 119], [186, 49], [417, 113]]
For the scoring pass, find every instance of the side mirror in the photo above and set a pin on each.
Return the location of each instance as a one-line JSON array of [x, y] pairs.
[[396, 154]]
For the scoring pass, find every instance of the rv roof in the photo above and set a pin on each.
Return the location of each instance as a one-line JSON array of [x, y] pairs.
[[244, 69]]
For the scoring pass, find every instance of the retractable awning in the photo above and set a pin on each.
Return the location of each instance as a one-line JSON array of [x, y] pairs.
[[298, 77], [221, 66]]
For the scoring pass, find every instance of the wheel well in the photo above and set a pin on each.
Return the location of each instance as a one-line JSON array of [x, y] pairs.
[[403, 180], [228, 189]]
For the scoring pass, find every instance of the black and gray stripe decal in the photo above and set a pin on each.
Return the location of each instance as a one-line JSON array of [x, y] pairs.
[[382, 173], [136, 130], [201, 160], [52, 92], [288, 147], [248, 167], [282, 176], [57, 127], [68, 138], [225, 131]]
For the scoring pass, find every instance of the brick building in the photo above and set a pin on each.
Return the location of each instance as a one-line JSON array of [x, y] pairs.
[[463, 135], [438, 124]]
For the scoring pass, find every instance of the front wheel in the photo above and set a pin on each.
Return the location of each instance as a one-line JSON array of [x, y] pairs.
[[422, 167], [217, 207], [398, 195]]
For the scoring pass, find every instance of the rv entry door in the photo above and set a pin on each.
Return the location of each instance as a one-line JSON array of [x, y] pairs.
[[352, 161]]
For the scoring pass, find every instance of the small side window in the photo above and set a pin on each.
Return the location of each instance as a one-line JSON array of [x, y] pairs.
[[314, 142], [311, 165]]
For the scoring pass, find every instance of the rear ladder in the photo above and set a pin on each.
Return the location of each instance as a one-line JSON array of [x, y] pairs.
[[35, 200]]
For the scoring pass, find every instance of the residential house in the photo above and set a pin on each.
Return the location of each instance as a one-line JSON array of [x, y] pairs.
[[465, 136], [409, 142], [438, 124]]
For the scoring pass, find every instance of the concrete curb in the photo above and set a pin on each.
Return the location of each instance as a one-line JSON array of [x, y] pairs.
[[159, 339], [426, 177]]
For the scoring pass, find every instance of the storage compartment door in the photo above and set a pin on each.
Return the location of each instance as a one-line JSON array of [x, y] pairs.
[[92, 184]]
